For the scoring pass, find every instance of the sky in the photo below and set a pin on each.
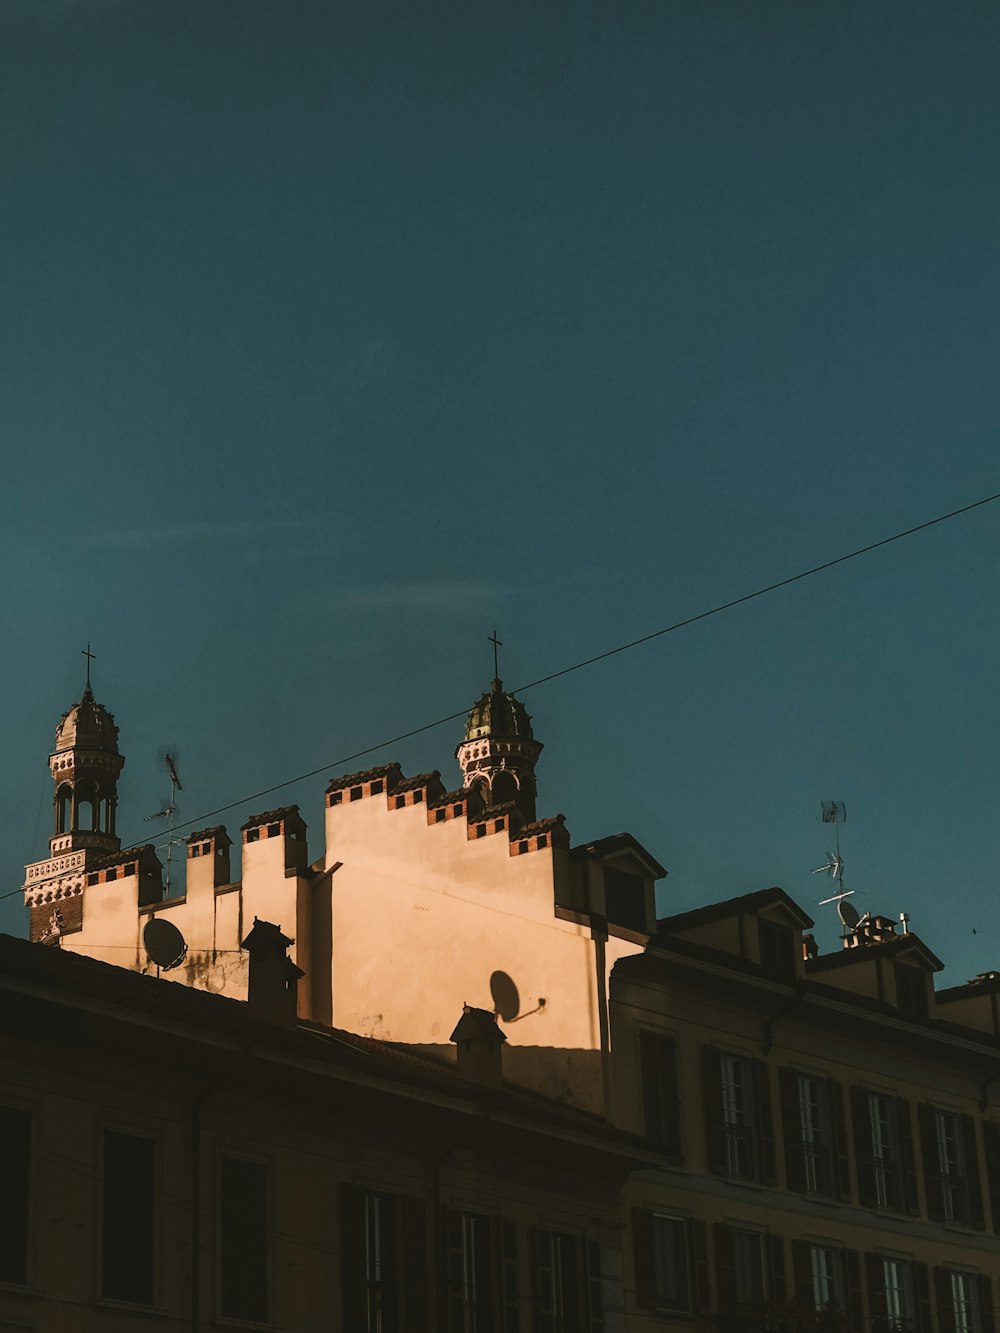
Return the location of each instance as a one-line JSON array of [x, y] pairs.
[[334, 335]]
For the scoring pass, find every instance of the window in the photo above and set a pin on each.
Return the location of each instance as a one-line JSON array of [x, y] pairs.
[[751, 1274], [377, 787], [827, 1288], [815, 1135], [481, 1275], [964, 1301], [911, 990], [128, 1218], [253, 835], [898, 1295], [567, 1273], [383, 1262], [356, 793], [244, 1249], [624, 899], [951, 1168], [660, 1091], [883, 1145], [15, 1200], [670, 1263], [336, 797], [738, 1106], [777, 949], [400, 802]]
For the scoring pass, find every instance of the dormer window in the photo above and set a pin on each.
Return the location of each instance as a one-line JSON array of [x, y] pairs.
[[911, 991], [624, 899], [777, 949]]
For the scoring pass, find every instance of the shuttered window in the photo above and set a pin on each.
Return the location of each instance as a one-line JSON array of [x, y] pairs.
[[128, 1218], [244, 1240], [660, 1092], [883, 1149], [481, 1275], [750, 1270], [15, 1195], [738, 1112], [671, 1265], [815, 1135], [383, 1249], [827, 1288], [898, 1294], [964, 1301], [951, 1167], [567, 1284]]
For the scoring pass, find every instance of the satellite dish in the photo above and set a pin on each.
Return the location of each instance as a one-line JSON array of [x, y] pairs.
[[164, 943], [848, 914]]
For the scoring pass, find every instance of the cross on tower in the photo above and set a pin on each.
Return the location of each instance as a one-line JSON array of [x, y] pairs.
[[497, 645], [85, 652]]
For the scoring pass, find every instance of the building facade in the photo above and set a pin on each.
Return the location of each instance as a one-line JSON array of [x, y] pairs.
[[774, 1140]]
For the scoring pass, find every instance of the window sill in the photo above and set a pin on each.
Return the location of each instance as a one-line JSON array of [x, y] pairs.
[[136, 1307], [21, 1289]]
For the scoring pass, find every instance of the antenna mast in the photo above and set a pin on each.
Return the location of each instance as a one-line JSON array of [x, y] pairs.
[[835, 813], [169, 812]]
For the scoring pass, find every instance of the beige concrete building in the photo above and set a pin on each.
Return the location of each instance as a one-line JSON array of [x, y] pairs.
[[423, 899], [815, 1138], [170, 1159]]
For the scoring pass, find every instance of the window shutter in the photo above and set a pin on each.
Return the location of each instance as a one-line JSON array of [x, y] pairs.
[[725, 1266], [452, 1271], [660, 1091], [802, 1271], [507, 1277], [841, 1183], [791, 1128], [987, 1324], [864, 1157], [875, 1274], [991, 1144], [544, 1281], [852, 1283], [595, 1289], [776, 1252], [765, 1121], [921, 1283], [699, 1245], [974, 1187], [645, 1272], [353, 1268], [716, 1130], [945, 1309], [15, 1172], [932, 1175], [904, 1124], [413, 1248]]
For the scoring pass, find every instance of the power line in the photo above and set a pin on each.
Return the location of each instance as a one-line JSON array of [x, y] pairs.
[[591, 661]]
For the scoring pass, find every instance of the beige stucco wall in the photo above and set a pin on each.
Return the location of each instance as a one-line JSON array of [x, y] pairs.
[[422, 917]]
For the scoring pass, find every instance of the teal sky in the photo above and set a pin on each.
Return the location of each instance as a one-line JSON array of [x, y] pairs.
[[332, 334]]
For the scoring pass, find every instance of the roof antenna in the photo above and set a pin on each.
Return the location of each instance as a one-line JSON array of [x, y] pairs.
[[835, 813], [169, 812]]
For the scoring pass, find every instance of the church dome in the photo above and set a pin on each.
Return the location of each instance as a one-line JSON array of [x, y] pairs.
[[498, 714], [87, 724]]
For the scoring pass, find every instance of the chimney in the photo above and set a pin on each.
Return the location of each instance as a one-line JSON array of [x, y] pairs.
[[480, 1046], [274, 978], [208, 859]]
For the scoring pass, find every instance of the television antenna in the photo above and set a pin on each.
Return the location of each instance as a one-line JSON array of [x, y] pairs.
[[168, 759], [835, 813]]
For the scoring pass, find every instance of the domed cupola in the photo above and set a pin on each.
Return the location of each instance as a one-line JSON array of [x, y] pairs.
[[500, 751], [85, 765]]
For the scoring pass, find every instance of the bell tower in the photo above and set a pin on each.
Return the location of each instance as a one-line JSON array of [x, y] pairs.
[[85, 765], [499, 752]]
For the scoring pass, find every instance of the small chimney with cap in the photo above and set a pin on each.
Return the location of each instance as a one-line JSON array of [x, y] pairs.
[[479, 1043], [273, 984]]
